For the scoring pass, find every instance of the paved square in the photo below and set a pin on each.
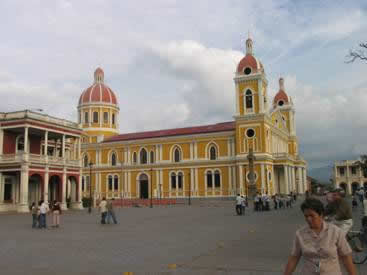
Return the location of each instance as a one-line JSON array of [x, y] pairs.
[[163, 240]]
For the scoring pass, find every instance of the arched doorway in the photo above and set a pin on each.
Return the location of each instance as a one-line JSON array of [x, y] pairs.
[[34, 188], [144, 186], [365, 186], [355, 187], [54, 185], [344, 186]]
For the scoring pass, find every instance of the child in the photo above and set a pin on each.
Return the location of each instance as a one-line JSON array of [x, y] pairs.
[[34, 211]]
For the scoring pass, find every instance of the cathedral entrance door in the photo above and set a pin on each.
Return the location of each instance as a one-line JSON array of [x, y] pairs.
[[144, 187]]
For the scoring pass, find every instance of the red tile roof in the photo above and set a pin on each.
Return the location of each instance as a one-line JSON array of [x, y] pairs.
[[219, 127]]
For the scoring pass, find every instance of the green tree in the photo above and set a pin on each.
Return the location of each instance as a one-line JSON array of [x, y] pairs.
[[360, 53], [362, 163]]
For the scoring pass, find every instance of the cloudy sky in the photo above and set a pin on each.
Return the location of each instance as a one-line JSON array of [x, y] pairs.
[[171, 63]]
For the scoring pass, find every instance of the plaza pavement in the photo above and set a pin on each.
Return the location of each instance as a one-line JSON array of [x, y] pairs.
[[197, 239]]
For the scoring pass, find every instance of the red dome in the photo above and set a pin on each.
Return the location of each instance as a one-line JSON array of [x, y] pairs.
[[281, 95], [98, 92]]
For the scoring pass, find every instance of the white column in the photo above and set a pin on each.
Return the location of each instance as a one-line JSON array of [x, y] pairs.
[[234, 191], [195, 150], [1, 141], [1, 188], [261, 97], [80, 188], [100, 116], [229, 180], [237, 101], [196, 180], [262, 178], [79, 149], [286, 187], [45, 186], [24, 182], [295, 189], [192, 180], [63, 197], [191, 150], [26, 140], [63, 147], [240, 186], [304, 178], [300, 180]]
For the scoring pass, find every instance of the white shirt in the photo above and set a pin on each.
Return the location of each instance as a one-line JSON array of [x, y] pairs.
[[238, 200], [44, 208]]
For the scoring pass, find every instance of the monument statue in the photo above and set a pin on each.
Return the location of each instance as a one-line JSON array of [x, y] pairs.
[[251, 185]]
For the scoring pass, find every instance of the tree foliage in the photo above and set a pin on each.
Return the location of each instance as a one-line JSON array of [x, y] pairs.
[[361, 53], [362, 163]]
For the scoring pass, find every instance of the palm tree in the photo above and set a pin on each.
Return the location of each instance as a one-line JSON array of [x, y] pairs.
[[362, 163]]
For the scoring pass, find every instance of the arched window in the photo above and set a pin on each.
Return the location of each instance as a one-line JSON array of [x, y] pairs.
[[134, 158], [86, 117], [20, 144], [152, 157], [177, 155], [179, 180], [85, 161], [105, 117], [248, 99], [143, 156], [173, 181], [213, 153], [113, 159], [110, 183], [95, 117], [209, 179], [116, 183], [217, 179], [83, 184], [113, 119]]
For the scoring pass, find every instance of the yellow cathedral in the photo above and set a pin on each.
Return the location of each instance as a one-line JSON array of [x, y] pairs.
[[201, 162]]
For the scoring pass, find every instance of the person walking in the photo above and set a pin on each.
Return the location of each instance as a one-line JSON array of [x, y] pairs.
[[320, 244], [56, 212], [239, 205], [111, 212], [243, 205], [34, 211], [103, 210]]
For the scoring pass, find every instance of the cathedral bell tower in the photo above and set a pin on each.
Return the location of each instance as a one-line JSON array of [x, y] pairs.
[[251, 85]]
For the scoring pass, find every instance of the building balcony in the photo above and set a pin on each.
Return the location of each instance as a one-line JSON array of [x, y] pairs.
[[37, 159]]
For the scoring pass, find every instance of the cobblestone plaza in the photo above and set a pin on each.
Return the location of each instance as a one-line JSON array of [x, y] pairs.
[[184, 239]]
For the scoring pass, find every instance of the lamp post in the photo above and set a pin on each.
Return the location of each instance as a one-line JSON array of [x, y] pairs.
[[90, 188], [151, 187], [189, 188]]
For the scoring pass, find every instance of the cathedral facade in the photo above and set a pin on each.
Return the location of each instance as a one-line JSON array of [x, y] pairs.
[[200, 162]]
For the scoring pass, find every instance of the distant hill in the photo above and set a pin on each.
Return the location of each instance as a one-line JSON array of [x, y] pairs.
[[322, 174]]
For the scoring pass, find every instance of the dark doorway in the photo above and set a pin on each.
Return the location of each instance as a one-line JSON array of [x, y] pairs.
[[144, 189], [344, 186], [8, 192], [54, 189], [355, 187]]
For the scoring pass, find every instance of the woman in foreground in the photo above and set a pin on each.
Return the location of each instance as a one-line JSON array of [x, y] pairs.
[[320, 244]]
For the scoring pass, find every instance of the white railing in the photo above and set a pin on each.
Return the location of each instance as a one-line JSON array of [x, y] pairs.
[[13, 158], [38, 116]]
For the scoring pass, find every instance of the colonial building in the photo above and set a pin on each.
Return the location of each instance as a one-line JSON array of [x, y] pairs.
[[39, 159], [201, 161], [348, 175]]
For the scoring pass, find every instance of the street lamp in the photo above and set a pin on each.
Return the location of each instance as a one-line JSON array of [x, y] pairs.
[[189, 188], [90, 187], [151, 188]]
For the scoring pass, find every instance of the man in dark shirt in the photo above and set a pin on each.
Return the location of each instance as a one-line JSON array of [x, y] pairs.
[[341, 211]]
